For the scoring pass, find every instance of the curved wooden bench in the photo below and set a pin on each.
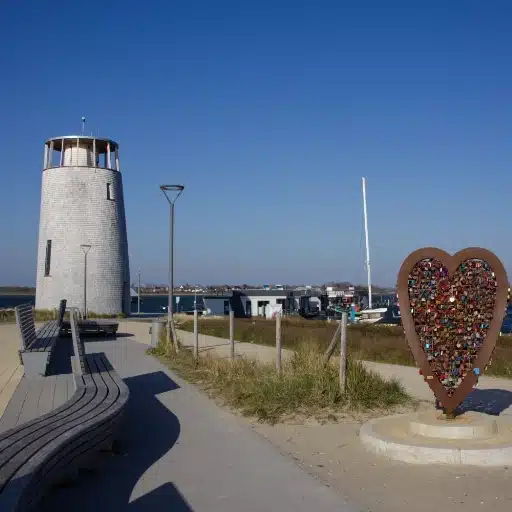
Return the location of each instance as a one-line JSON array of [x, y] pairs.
[[41, 452], [37, 346]]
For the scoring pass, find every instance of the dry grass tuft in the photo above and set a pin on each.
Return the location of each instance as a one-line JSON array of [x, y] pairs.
[[305, 387], [385, 344]]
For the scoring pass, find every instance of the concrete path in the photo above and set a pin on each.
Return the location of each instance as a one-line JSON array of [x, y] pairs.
[[221, 348], [181, 452], [207, 344], [492, 395]]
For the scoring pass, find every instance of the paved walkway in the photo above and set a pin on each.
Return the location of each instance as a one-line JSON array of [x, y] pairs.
[[221, 348], [492, 395], [207, 344], [181, 452]]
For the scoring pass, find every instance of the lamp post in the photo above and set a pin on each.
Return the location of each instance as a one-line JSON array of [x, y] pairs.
[[85, 248], [171, 192], [138, 296]]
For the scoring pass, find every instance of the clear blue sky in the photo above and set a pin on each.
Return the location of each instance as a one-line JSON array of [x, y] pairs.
[[269, 113]]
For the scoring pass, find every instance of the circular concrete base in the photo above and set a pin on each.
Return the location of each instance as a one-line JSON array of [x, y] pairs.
[[470, 425], [476, 439]]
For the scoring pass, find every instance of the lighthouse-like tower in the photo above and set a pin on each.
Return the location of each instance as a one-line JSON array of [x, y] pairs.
[[82, 211]]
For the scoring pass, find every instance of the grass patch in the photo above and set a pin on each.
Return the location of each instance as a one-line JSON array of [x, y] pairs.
[[385, 344], [305, 387], [44, 315]]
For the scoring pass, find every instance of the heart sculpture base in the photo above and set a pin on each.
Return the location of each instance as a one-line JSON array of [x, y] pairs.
[[468, 426], [472, 438]]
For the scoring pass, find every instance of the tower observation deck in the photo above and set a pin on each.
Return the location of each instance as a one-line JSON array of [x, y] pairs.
[[82, 206]]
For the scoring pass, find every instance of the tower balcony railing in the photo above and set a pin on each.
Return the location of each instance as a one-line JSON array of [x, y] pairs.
[[81, 151]]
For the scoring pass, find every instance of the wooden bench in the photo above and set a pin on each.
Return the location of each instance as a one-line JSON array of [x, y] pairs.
[[37, 347], [42, 452]]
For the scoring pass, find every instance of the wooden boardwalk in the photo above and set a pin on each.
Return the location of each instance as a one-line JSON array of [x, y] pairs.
[[36, 396], [11, 371]]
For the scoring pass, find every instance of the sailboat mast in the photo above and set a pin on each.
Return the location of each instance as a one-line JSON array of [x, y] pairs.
[[368, 268]]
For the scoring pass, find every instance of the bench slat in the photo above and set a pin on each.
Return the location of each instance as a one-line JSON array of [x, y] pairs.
[[20, 452], [34, 446]]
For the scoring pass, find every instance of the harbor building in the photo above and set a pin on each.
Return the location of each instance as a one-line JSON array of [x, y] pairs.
[[249, 303]]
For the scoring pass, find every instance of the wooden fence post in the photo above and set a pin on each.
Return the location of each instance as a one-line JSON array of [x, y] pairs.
[[332, 345], [196, 335], [343, 351], [278, 342], [232, 334]]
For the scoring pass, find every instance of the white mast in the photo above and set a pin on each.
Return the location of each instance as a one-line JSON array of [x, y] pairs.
[[368, 268]]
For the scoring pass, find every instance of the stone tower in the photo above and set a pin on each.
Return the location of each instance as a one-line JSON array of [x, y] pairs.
[[82, 205]]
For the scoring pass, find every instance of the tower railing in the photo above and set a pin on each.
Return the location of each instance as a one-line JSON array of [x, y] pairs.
[[81, 151]]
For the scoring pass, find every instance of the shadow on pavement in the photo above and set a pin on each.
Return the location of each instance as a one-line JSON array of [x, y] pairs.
[[164, 498], [488, 401], [148, 431]]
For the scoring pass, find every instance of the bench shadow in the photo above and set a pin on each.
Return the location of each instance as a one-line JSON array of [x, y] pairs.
[[60, 362], [488, 401], [148, 431], [162, 499]]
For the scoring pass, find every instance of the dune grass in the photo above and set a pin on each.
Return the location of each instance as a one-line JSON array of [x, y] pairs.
[[305, 386], [381, 343], [44, 315]]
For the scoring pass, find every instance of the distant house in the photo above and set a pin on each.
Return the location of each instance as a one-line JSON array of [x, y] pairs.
[[248, 303]]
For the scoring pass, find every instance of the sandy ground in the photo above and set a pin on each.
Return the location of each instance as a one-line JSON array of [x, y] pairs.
[[333, 453]]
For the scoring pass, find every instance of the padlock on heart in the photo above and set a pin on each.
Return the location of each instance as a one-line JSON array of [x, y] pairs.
[[452, 309]]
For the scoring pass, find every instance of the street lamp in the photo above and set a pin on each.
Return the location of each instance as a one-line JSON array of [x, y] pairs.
[[138, 296], [85, 248], [171, 192]]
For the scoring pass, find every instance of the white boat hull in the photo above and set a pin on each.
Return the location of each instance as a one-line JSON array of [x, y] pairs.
[[371, 316]]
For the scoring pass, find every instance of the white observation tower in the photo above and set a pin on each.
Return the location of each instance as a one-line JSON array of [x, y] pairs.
[[82, 205]]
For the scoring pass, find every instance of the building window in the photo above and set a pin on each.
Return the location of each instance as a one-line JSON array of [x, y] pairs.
[[48, 258], [262, 307], [110, 192]]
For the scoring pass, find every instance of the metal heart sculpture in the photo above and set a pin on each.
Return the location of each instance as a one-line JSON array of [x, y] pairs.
[[452, 309]]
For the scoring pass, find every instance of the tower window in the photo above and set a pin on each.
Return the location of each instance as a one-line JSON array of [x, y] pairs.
[[48, 258], [110, 192]]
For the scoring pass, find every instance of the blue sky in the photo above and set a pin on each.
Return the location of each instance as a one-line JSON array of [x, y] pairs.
[[269, 113]]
